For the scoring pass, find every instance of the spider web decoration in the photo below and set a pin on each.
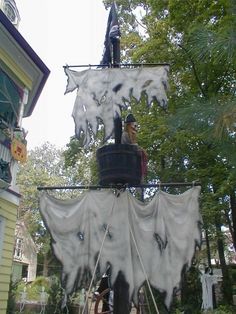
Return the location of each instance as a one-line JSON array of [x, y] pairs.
[[102, 93], [165, 230]]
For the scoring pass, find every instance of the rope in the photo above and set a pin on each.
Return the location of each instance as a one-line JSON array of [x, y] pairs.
[[143, 268], [98, 258], [148, 304], [144, 271]]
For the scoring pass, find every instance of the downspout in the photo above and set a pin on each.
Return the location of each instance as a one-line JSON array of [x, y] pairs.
[[23, 103]]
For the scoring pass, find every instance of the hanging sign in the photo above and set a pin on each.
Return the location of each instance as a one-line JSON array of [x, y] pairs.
[[18, 150]]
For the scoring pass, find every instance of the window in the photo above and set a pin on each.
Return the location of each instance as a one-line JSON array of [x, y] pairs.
[[18, 248], [2, 225], [25, 271], [10, 97]]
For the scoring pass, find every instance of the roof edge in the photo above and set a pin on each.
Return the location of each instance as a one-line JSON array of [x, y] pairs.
[[30, 52]]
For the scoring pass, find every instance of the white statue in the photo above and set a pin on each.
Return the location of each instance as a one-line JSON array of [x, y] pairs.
[[207, 280], [43, 300], [23, 296]]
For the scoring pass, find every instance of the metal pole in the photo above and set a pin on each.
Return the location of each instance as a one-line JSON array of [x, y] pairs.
[[119, 186], [116, 52], [110, 65], [208, 248]]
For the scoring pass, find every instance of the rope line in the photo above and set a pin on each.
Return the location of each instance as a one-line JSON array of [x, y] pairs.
[[98, 258], [142, 265], [148, 304], [144, 271]]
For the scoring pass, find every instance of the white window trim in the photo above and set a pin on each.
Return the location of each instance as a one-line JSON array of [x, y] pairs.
[[18, 248]]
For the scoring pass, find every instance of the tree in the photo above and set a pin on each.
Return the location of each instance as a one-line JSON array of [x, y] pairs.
[[83, 160], [196, 137], [44, 167]]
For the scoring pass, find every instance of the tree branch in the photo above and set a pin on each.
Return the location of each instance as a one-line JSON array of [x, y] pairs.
[[136, 20], [194, 70]]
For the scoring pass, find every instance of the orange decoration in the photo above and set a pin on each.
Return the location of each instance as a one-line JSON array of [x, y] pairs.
[[18, 150]]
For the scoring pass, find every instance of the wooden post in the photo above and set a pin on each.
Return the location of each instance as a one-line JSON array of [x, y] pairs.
[[121, 295]]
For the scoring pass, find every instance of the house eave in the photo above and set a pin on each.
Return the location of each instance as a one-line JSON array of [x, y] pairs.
[[34, 71]]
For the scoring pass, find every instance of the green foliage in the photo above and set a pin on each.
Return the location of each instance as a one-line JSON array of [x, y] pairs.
[[222, 309], [159, 299], [44, 167], [83, 161], [40, 282], [32, 289], [11, 302], [233, 275], [195, 138], [52, 288], [55, 296], [191, 291]]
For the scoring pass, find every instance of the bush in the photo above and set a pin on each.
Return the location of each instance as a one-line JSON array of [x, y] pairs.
[[41, 281], [222, 309], [55, 296], [33, 289], [11, 302]]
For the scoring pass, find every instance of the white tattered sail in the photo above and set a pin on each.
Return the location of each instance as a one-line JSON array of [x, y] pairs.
[[102, 93], [151, 241]]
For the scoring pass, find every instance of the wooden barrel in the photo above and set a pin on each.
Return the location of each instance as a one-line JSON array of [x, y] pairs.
[[119, 164]]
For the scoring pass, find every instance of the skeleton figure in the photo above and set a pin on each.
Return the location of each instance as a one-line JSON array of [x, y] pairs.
[[23, 299], [43, 300]]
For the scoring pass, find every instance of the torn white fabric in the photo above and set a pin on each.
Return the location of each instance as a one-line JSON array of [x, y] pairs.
[[208, 281], [101, 93], [166, 231]]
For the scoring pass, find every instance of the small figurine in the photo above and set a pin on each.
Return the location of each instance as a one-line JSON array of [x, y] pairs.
[[43, 300], [129, 136], [23, 297]]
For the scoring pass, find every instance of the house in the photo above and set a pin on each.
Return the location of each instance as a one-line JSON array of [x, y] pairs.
[[25, 255], [22, 78]]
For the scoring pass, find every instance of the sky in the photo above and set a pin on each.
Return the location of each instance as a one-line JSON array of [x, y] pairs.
[[62, 33]]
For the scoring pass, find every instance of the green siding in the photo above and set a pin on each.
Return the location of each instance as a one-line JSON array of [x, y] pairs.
[[9, 212], [3, 306]]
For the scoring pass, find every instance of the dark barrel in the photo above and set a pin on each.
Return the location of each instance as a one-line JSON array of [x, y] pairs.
[[119, 163]]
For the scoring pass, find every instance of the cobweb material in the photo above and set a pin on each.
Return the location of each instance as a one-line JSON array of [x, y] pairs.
[[166, 231], [102, 93]]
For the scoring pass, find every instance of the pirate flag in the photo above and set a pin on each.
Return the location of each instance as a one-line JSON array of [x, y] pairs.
[[111, 39]]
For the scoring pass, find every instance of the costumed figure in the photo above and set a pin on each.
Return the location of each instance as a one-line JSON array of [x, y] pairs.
[[129, 136], [207, 280], [107, 304]]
